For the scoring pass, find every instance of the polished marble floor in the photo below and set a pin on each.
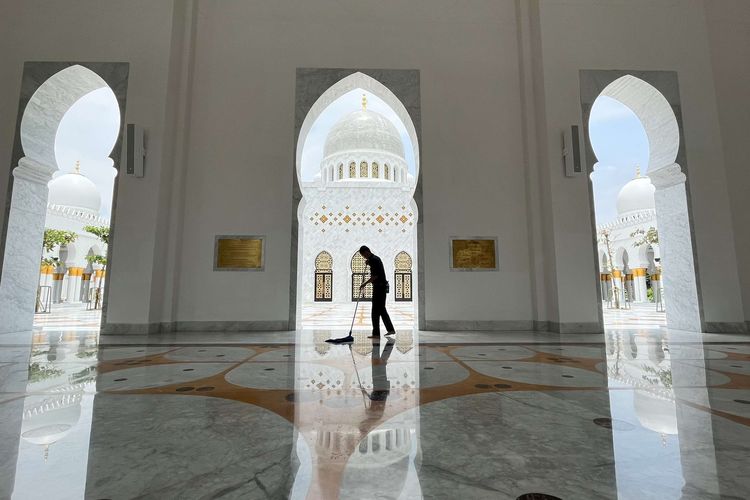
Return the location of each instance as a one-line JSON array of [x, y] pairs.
[[637, 316], [327, 314], [632, 414]]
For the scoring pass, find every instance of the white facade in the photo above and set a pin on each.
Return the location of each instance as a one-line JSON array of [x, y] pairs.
[[626, 264], [74, 203], [362, 196]]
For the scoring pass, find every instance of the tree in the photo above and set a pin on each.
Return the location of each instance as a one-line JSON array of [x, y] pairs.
[[96, 259], [604, 239], [54, 238], [101, 232], [645, 237]]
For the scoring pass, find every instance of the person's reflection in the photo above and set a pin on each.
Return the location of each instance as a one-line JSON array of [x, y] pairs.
[[381, 387]]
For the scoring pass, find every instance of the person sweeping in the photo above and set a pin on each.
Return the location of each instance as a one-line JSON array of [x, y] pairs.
[[379, 292]]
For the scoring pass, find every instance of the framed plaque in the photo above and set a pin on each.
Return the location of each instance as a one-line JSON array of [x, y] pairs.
[[239, 253], [474, 253]]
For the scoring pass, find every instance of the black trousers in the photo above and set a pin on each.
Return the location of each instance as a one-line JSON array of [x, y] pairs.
[[378, 311]]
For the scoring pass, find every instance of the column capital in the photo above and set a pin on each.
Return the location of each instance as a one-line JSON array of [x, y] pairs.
[[33, 171], [668, 176]]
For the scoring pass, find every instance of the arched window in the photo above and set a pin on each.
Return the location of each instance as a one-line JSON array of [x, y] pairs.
[[341, 171], [363, 169], [360, 274], [375, 170], [402, 276], [352, 170], [323, 277], [387, 172]]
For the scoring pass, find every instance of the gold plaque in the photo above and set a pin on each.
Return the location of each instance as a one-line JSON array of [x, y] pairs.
[[239, 252], [471, 254]]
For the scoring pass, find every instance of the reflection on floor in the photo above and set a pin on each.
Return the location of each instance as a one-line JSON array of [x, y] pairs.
[[636, 316], [329, 315], [68, 317], [631, 414]]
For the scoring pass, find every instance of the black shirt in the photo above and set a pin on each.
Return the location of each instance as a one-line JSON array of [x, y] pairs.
[[376, 270]]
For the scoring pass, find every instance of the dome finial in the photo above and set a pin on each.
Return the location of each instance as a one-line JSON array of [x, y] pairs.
[[637, 172], [78, 166], [364, 102]]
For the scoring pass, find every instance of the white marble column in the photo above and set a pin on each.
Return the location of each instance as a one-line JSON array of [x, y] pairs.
[[676, 248], [640, 289], [74, 283], [617, 287], [23, 245]]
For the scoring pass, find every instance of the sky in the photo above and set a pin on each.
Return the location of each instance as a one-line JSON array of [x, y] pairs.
[[87, 133], [312, 151], [620, 144]]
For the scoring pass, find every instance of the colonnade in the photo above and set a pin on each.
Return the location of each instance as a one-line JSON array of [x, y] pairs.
[[631, 285], [72, 283]]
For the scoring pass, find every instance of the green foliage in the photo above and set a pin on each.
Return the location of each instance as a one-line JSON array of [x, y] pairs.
[[650, 294], [39, 372], [57, 237], [648, 237], [50, 261], [96, 259], [101, 232]]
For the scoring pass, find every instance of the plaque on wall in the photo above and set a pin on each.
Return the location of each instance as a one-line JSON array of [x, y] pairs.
[[474, 254], [239, 253]]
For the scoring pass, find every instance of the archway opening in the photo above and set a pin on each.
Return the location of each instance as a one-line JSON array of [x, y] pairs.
[[68, 131], [642, 223], [357, 166]]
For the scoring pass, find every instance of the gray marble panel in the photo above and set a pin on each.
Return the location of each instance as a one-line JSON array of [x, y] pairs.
[[164, 446], [497, 446], [270, 375], [435, 374], [205, 353], [117, 353], [726, 327], [144, 377], [493, 352], [540, 373]]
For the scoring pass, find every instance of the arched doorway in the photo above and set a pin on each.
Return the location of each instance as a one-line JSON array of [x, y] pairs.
[[402, 277], [61, 86], [652, 209], [357, 175], [323, 277], [360, 274]]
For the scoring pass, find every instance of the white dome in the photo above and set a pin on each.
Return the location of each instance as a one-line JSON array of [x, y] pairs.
[[363, 130], [76, 191], [637, 194]]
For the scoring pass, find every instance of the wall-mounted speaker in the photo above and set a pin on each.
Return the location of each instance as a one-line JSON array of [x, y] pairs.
[[135, 150], [573, 157]]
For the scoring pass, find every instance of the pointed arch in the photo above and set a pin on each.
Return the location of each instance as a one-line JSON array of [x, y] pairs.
[[48, 105], [656, 115], [354, 81]]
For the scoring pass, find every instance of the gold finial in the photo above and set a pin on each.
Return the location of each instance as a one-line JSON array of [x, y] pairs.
[[637, 172], [78, 166], [364, 102]]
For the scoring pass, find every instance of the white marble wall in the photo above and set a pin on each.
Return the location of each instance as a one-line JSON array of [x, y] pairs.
[[681, 292], [20, 276], [384, 240]]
